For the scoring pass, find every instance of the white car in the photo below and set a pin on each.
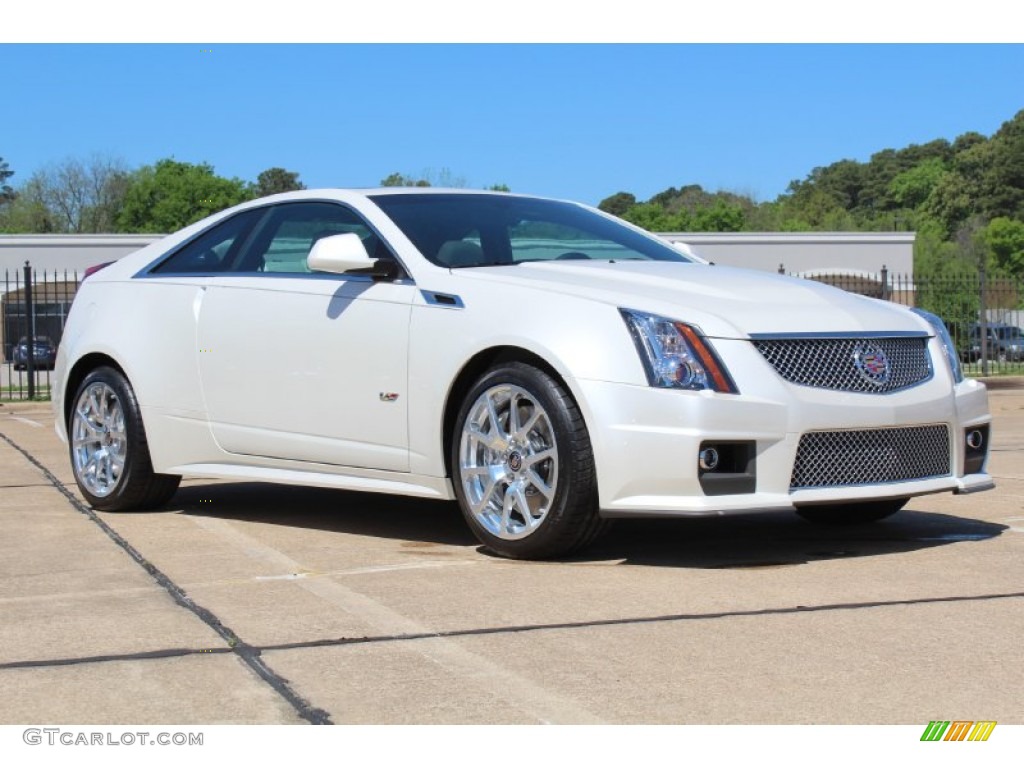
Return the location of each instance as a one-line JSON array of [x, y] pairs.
[[547, 365]]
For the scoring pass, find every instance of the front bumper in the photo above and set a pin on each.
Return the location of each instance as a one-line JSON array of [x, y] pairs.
[[647, 440]]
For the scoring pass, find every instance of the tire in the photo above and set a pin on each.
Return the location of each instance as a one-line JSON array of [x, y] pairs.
[[524, 475], [853, 513], [109, 452]]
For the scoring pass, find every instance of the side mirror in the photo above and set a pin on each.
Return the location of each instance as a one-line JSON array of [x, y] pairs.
[[339, 255]]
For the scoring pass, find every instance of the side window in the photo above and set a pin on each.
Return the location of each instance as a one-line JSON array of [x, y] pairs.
[[286, 237], [215, 249]]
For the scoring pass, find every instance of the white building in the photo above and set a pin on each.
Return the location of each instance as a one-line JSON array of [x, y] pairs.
[[807, 254], [66, 253]]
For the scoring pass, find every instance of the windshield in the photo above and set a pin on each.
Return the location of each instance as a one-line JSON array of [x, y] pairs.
[[461, 230]]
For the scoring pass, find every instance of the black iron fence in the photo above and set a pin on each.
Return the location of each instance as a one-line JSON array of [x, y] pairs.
[[33, 308], [984, 315]]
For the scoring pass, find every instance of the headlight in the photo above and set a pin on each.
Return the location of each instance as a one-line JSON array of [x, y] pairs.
[[676, 355], [947, 343]]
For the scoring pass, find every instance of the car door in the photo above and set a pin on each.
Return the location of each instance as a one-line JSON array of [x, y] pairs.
[[168, 371], [303, 366]]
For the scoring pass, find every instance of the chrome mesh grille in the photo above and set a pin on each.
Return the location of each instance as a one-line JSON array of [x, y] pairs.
[[867, 457], [839, 363]]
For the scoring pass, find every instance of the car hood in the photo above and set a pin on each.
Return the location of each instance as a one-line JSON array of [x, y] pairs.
[[725, 302]]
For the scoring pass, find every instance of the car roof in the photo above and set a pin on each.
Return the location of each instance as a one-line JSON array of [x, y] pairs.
[[342, 193]]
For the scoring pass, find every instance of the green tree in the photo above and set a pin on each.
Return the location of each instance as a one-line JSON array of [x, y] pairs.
[[617, 204], [945, 191], [71, 196], [912, 187], [688, 208], [815, 209], [170, 195], [401, 180], [944, 278], [1005, 240], [274, 181], [934, 254], [839, 185], [844, 183], [6, 193], [967, 192], [654, 218], [1002, 177], [967, 140], [431, 177], [718, 217], [28, 213], [693, 197], [950, 202], [765, 217], [971, 243]]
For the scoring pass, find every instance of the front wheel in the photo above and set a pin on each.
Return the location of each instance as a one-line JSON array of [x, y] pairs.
[[522, 466], [109, 452], [851, 513]]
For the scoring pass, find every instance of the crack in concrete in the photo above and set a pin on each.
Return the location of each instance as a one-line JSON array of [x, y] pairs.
[[517, 628], [637, 620], [247, 653]]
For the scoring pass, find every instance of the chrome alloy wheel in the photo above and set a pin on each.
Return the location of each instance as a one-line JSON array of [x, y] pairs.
[[99, 445], [508, 462]]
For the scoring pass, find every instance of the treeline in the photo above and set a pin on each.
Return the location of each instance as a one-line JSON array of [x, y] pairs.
[[965, 200], [102, 195]]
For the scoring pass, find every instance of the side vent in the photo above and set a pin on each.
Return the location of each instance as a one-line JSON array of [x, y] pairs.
[[442, 299]]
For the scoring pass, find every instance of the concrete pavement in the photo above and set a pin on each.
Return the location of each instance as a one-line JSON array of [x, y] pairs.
[[249, 603]]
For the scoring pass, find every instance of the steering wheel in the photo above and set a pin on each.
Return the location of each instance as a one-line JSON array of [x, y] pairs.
[[572, 255]]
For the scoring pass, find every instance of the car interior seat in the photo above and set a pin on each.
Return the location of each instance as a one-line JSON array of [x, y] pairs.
[[460, 253]]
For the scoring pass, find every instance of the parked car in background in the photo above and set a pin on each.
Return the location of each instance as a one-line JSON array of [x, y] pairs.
[[541, 362], [1004, 343], [44, 353]]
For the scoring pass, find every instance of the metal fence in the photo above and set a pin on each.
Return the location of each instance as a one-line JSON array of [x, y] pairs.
[[984, 314], [33, 308]]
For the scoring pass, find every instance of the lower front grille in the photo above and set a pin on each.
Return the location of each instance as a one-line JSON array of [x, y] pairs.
[[867, 457]]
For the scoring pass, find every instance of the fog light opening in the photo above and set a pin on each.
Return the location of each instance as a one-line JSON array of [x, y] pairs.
[[708, 459], [975, 439]]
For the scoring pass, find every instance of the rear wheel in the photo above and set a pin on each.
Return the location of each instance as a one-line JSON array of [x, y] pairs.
[[109, 452], [522, 466], [852, 513]]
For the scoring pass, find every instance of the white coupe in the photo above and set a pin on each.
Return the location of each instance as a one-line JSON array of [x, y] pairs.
[[547, 365]]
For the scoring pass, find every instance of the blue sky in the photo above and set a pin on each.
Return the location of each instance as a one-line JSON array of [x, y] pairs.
[[579, 121]]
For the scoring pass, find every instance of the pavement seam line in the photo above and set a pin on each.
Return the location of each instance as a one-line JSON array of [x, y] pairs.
[[477, 631], [164, 653], [248, 654], [518, 690], [664, 619]]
